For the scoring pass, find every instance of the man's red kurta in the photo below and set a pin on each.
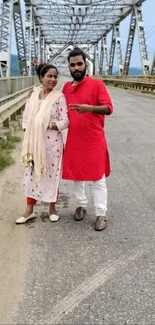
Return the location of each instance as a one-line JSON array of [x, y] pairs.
[[86, 155]]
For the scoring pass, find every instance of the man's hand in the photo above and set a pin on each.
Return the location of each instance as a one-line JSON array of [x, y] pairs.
[[80, 108]]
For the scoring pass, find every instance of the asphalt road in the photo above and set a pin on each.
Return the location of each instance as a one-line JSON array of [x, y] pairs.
[[74, 275]]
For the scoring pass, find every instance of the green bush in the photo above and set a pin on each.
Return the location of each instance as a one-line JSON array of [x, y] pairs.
[[7, 143], [5, 159]]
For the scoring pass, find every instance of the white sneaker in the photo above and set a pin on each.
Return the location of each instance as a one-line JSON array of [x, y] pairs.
[[23, 220], [54, 217]]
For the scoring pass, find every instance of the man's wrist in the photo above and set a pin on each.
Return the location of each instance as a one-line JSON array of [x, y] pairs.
[[103, 110], [92, 108]]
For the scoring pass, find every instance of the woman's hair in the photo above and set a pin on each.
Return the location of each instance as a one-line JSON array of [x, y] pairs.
[[42, 69]]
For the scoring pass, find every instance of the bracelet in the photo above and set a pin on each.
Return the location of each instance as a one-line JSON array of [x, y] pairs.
[[50, 125]]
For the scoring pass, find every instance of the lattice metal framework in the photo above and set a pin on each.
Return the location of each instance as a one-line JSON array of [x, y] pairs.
[[105, 54], [142, 40], [153, 66], [101, 58], [119, 49], [6, 14], [52, 25], [30, 39], [80, 21], [130, 41], [112, 51], [19, 34], [65, 22]]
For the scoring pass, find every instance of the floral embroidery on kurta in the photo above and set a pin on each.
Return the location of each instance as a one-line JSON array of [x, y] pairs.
[[49, 184]]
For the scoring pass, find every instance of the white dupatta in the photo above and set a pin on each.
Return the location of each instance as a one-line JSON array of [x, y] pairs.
[[33, 148]]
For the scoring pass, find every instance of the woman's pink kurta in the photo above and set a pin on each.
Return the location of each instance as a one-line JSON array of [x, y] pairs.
[[86, 155], [48, 189]]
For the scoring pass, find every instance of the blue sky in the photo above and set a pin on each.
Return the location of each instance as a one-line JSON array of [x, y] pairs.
[[149, 20]]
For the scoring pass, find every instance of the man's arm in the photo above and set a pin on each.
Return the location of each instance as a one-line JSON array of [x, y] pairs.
[[84, 108], [105, 106], [103, 110]]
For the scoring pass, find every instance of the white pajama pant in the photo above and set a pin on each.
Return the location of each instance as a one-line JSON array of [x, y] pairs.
[[99, 195]]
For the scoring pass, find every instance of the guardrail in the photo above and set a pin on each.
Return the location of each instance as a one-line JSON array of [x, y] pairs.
[[136, 83], [10, 110], [11, 105], [12, 85], [138, 77]]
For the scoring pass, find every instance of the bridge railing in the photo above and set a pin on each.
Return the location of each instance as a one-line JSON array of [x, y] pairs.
[[12, 85], [146, 77], [145, 84], [13, 94]]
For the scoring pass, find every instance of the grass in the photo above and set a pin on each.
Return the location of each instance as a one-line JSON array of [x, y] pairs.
[[6, 145]]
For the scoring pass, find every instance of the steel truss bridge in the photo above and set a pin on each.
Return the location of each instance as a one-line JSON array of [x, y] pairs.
[[46, 30]]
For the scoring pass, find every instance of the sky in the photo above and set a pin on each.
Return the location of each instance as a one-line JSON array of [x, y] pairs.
[[149, 22]]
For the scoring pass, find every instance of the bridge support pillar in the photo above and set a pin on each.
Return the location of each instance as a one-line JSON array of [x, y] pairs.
[[130, 42], [96, 60], [142, 40], [101, 58], [153, 65], [112, 52], [119, 49], [6, 15], [30, 41], [105, 54]]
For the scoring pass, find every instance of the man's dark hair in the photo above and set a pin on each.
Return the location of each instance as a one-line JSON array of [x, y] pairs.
[[76, 52]]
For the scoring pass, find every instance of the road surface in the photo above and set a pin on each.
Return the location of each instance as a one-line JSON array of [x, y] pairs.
[[65, 272]]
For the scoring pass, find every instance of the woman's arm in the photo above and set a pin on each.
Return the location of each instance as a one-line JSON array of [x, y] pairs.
[[25, 115], [63, 122], [26, 111]]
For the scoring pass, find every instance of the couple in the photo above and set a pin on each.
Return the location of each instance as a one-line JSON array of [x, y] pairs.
[[81, 107]]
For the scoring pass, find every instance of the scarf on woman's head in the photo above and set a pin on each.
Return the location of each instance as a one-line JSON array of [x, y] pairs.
[[33, 148]]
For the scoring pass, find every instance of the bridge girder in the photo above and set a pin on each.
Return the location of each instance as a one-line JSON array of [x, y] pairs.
[[50, 26]]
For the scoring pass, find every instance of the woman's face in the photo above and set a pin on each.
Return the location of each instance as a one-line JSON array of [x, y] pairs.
[[49, 81]]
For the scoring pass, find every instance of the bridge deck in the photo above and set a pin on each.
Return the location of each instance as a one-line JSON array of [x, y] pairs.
[[66, 273]]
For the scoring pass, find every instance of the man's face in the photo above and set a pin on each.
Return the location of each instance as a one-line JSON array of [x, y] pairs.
[[77, 67]]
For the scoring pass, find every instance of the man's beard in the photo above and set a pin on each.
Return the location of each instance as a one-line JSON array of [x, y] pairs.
[[78, 75]]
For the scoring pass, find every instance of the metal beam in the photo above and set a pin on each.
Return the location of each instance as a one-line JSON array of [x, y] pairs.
[[38, 44], [30, 39], [112, 52], [101, 58], [96, 59], [59, 52], [153, 65], [119, 49], [105, 54], [42, 46], [6, 14], [19, 35], [130, 42], [142, 40]]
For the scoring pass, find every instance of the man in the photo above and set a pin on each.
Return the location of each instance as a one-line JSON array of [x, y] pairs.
[[86, 155]]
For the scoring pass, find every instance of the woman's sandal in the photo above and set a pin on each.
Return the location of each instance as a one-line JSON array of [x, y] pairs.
[[54, 217], [23, 220]]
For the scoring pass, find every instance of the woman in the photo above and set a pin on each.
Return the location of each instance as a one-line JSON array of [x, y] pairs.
[[44, 118]]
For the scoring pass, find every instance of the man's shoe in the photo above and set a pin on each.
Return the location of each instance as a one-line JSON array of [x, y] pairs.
[[101, 223], [79, 214]]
